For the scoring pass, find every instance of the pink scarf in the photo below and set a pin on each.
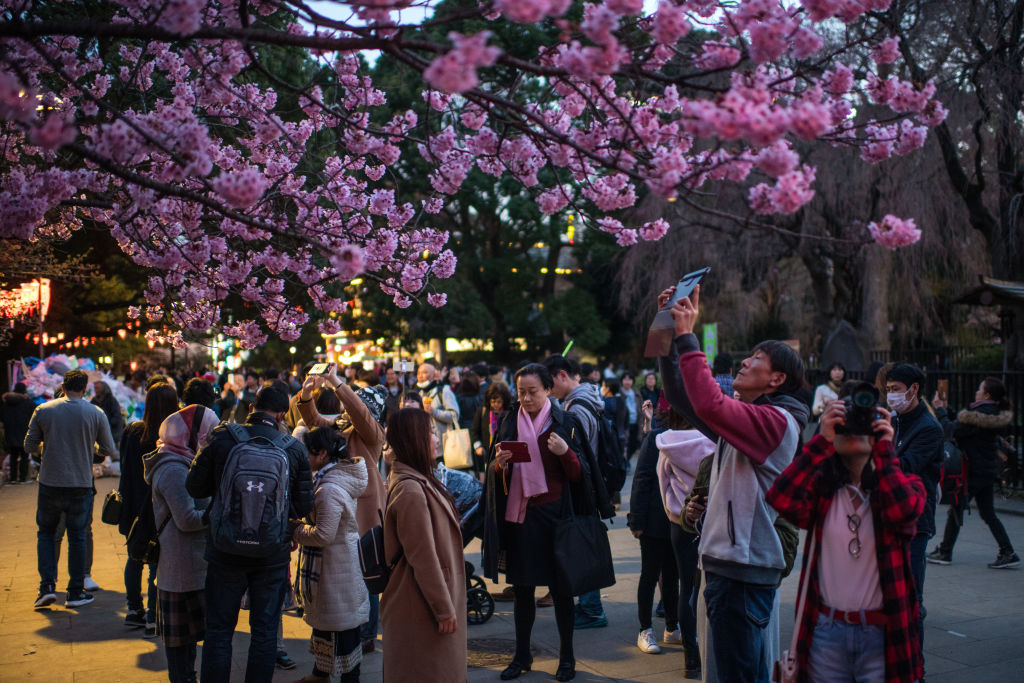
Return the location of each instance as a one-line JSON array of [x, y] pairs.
[[528, 478]]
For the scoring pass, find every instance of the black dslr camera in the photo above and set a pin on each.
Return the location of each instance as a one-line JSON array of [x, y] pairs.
[[861, 410]]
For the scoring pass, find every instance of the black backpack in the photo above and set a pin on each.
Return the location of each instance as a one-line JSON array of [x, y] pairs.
[[611, 458], [249, 513], [375, 566]]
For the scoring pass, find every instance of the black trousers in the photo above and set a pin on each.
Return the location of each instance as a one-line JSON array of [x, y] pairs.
[[983, 494], [657, 560]]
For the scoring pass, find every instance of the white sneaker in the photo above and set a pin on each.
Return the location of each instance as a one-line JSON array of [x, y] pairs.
[[647, 642], [90, 585], [673, 637]]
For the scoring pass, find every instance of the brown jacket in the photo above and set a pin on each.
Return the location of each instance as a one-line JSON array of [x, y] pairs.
[[427, 585], [365, 440]]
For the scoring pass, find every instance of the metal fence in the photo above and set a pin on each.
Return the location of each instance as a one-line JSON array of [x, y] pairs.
[[962, 386]]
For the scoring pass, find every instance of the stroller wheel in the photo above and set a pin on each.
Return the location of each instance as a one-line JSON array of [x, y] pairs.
[[475, 582], [479, 605]]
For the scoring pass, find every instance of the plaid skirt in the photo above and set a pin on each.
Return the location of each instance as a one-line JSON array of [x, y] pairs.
[[181, 617], [336, 652]]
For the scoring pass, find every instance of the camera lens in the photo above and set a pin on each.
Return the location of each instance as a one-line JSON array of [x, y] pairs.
[[863, 399]]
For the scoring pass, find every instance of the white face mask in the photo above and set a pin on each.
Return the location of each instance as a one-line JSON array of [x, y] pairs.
[[898, 401]]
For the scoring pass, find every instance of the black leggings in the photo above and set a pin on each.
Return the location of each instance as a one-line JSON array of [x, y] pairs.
[[656, 559], [984, 496], [684, 545], [525, 612]]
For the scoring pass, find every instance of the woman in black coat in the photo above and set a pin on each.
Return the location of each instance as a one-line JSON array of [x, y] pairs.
[[976, 430], [140, 438], [525, 501], [486, 419], [650, 525]]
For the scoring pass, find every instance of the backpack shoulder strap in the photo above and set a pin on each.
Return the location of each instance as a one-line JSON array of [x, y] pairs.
[[238, 432]]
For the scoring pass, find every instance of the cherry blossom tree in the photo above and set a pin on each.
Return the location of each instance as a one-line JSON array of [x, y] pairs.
[[163, 122]]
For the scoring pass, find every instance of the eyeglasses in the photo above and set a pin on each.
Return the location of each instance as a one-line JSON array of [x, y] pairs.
[[853, 523]]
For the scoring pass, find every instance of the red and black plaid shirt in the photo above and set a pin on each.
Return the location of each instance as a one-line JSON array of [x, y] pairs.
[[800, 495]]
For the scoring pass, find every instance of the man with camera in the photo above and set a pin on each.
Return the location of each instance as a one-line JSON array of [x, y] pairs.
[[740, 552]]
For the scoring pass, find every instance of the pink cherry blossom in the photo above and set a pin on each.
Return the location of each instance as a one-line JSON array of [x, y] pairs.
[[894, 232], [887, 51], [241, 188], [455, 71], [670, 23]]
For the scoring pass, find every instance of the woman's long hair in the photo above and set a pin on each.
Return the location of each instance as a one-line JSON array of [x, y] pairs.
[[408, 435], [161, 403], [327, 402]]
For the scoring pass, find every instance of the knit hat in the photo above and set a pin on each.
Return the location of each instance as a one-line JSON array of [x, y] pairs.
[[906, 374], [176, 429], [374, 399]]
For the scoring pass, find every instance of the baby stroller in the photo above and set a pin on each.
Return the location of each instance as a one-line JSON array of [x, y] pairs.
[[479, 603]]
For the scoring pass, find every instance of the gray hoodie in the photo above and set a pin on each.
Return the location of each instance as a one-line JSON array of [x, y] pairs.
[[584, 402], [182, 567]]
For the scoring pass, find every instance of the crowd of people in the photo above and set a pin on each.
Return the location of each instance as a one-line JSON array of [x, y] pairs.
[[247, 476]]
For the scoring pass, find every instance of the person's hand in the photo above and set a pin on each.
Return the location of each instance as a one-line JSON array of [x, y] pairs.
[[428, 405], [447, 625], [647, 409], [694, 509], [938, 402], [883, 426], [501, 458], [479, 450], [665, 295], [834, 414], [557, 444], [311, 382], [332, 376], [684, 313], [637, 533]]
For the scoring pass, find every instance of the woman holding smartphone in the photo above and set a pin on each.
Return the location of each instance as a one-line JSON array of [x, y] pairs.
[[530, 466]]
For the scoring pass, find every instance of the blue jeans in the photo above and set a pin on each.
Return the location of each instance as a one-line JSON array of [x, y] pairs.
[[76, 505], [133, 588], [738, 614], [224, 589], [845, 653], [590, 605]]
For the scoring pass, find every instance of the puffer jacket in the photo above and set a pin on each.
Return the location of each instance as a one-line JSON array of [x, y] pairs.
[[329, 583], [976, 430]]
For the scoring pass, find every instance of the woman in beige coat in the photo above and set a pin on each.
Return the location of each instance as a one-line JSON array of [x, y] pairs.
[[423, 608]]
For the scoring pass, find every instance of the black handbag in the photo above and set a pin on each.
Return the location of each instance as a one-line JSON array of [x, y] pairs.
[[583, 556], [143, 540], [111, 512]]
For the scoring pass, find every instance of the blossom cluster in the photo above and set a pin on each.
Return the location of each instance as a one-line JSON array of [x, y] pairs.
[[201, 174]]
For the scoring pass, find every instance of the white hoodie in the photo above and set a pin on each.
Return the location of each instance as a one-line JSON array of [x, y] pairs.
[[681, 454]]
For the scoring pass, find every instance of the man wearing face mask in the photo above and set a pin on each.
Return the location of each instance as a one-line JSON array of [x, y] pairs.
[[919, 449], [439, 401]]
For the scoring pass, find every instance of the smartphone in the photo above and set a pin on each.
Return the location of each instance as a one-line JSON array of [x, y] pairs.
[[520, 451], [943, 390], [321, 368], [405, 366], [685, 287]]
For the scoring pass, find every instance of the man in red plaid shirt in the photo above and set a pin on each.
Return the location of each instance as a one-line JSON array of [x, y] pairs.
[[860, 616]]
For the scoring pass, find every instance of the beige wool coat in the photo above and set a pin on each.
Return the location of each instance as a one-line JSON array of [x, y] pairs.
[[427, 585], [365, 440]]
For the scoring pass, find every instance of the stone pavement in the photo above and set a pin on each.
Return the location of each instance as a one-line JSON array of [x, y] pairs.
[[974, 627]]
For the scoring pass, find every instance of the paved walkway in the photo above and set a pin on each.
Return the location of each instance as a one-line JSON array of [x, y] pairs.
[[974, 628]]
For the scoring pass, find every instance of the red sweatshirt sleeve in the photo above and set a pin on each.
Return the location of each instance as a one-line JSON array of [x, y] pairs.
[[754, 430]]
